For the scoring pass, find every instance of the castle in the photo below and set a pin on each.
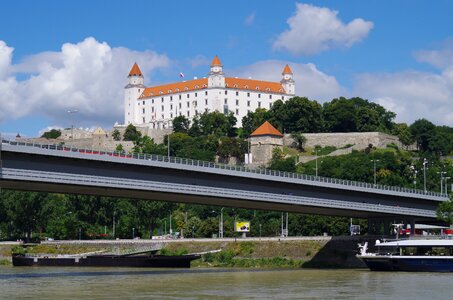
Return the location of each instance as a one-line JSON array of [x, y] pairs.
[[157, 106]]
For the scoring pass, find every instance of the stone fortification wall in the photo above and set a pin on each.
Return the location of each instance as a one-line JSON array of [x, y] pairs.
[[156, 134], [359, 140], [261, 148]]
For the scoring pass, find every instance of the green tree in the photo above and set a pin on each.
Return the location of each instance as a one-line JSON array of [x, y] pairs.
[[231, 147], [298, 114], [440, 142], [280, 163], [52, 134], [404, 134], [422, 130], [145, 144], [299, 141], [181, 124], [253, 120], [119, 148], [214, 123], [131, 133], [445, 211], [116, 135]]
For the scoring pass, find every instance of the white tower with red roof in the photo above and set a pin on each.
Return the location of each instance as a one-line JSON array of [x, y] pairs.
[[288, 81], [132, 92]]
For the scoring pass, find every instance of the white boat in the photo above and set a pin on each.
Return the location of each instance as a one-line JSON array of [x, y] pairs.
[[412, 255]]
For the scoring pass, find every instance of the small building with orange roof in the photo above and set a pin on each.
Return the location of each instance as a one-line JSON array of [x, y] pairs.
[[157, 106], [263, 141]]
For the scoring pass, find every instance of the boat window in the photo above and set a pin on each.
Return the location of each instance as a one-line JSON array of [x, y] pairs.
[[440, 251]]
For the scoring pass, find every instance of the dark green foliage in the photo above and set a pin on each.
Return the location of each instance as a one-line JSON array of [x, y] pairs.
[[280, 163], [422, 130], [356, 114], [253, 120], [445, 211], [298, 141], [181, 124], [131, 133], [214, 123], [52, 134], [146, 145], [116, 135]]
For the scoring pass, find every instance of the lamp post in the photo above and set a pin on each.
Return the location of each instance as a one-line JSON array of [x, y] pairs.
[[374, 169], [446, 185], [72, 112], [221, 224], [441, 180], [133, 232], [316, 153], [425, 162], [168, 146], [113, 223], [415, 175]]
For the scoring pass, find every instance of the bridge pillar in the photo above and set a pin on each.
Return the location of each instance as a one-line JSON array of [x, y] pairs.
[[412, 227]]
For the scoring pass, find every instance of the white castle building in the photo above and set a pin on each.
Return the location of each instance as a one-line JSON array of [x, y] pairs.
[[157, 106]]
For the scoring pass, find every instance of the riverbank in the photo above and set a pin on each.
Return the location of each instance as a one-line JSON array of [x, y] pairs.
[[294, 252]]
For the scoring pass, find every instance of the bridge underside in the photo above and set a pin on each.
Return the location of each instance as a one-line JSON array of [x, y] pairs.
[[197, 199]]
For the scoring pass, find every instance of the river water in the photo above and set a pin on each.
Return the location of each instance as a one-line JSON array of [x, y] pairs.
[[114, 283]]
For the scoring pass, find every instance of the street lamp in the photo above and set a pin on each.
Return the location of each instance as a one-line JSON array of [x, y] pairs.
[[133, 232], [168, 146], [441, 180], [425, 162], [374, 169], [221, 224], [71, 112], [415, 175], [446, 185], [316, 153]]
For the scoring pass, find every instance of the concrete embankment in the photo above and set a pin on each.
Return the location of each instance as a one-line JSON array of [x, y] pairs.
[[293, 252]]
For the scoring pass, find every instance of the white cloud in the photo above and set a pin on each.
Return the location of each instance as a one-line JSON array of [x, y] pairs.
[[441, 59], [250, 19], [310, 82], [410, 94], [88, 75], [199, 60], [314, 29]]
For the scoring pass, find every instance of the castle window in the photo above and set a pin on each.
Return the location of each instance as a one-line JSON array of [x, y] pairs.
[[188, 95], [237, 112], [179, 105], [257, 88], [177, 90], [197, 87], [248, 103], [226, 92], [246, 87], [237, 93], [152, 101], [188, 113], [235, 86], [188, 104], [226, 101], [162, 100], [162, 108], [171, 106], [143, 102], [196, 94], [270, 105], [206, 93], [152, 109], [259, 104], [186, 88], [143, 110], [143, 119], [237, 102], [259, 95], [171, 115], [195, 104], [162, 116], [283, 98], [169, 91], [161, 92], [270, 96], [248, 94], [179, 97], [171, 98], [196, 112], [268, 89], [206, 101]]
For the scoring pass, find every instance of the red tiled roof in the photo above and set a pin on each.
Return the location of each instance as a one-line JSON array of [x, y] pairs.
[[177, 87], [199, 84], [216, 62], [287, 70], [135, 71], [266, 129], [254, 85]]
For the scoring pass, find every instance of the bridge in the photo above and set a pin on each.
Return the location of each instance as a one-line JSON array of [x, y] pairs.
[[60, 169]]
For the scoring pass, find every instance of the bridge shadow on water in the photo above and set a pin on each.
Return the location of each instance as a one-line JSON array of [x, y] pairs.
[[340, 252]]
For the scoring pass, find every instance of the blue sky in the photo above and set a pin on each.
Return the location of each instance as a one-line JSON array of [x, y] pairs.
[[61, 55]]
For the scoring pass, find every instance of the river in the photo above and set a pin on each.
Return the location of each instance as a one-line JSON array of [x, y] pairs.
[[108, 283]]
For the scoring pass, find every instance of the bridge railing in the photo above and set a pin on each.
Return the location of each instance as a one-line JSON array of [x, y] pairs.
[[207, 164]]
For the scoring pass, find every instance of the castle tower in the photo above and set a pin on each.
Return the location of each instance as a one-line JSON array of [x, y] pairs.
[[216, 76], [262, 141], [132, 91], [287, 81]]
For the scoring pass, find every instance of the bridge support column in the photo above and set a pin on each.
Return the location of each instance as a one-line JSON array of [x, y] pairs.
[[412, 227]]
